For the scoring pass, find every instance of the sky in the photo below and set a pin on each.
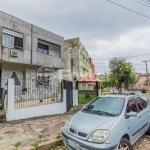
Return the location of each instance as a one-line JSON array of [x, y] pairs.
[[105, 29]]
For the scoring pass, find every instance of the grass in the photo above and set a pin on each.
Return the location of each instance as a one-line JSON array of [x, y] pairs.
[[58, 136], [83, 100], [17, 144], [16, 148], [36, 144]]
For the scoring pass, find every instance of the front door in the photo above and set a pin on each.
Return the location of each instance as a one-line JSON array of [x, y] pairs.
[[133, 122], [69, 94], [143, 115]]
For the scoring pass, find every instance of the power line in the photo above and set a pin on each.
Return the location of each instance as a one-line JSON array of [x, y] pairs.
[[128, 9], [142, 3], [123, 57], [145, 1]]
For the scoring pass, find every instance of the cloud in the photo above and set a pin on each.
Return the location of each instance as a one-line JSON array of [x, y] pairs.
[[106, 30], [135, 42]]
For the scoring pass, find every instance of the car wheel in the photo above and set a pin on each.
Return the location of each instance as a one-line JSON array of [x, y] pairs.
[[148, 131], [124, 144]]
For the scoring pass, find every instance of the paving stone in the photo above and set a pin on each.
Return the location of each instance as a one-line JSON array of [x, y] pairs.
[[17, 125], [36, 123], [7, 125], [1, 124], [39, 129], [46, 123], [40, 120], [55, 120]]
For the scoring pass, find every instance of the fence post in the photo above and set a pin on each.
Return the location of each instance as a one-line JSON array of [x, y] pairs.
[[65, 99], [10, 100]]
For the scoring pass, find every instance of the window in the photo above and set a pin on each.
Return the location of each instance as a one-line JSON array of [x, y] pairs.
[[111, 105], [43, 80], [18, 42], [12, 39], [141, 104], [8, 40], [43, 49], [131, 106], [48, 48], [54, 50]]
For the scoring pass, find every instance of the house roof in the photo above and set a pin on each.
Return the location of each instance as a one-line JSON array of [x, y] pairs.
[[145, 75], [87, 79]]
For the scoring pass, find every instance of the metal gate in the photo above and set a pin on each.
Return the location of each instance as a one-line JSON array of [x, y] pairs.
[[69, 94]]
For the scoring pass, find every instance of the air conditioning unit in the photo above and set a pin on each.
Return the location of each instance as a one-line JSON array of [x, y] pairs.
[[13, 53]]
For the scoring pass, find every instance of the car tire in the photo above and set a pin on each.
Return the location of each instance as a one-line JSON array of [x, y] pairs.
[[125, 143], [148, 131]]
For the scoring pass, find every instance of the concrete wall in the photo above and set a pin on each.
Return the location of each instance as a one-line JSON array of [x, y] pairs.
[[16, 114], [46, 60], [17, 25], [31, 35], [27, 77], [74, 49], [75, 97]]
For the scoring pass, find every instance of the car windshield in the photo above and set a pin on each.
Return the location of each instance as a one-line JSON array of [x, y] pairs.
[[106, 106]]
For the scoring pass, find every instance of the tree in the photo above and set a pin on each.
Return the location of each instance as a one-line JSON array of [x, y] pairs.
[[108, 80], [121, 73]]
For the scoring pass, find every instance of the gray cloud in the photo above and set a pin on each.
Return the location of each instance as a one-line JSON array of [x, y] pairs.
[[105, 29]]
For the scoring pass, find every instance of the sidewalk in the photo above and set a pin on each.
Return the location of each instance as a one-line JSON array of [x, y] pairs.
[[26, 132]]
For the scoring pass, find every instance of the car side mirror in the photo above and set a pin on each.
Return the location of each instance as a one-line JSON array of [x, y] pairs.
[[132, 114], [83, 107]]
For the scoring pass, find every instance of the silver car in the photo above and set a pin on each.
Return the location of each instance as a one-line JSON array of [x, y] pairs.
[[140, 95], [109, 122]]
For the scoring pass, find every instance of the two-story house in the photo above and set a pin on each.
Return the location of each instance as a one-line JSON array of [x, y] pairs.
[[24, 48]]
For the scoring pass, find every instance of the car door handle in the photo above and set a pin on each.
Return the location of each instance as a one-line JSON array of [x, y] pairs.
[[139, 117]]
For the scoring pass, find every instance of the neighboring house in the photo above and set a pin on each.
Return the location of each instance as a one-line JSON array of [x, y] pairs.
[[24, 48], [91, 73], [142, 81], [76, 61]]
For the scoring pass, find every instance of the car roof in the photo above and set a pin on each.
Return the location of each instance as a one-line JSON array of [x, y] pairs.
[[118, 95]]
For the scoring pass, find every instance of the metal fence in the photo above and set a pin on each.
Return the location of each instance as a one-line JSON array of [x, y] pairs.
[[30, 93], [3, 93]]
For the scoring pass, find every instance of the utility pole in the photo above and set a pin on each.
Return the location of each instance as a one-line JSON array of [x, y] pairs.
[[147, 72]]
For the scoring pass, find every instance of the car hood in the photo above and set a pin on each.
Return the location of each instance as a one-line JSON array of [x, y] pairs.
[[87, 122]]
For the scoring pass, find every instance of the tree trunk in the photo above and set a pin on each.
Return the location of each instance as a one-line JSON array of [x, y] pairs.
[[120, 88]]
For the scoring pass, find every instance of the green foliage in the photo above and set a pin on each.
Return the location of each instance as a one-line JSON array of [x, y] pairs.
[[17, 144], [54, 147], [87, 95], [143, 90], [58, 136], [121, 72], [36, 144], [83, 100], [16, 148], [105, 90]]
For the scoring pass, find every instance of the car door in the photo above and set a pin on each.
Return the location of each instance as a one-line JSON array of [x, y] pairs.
[[133, 122], [143, 114]]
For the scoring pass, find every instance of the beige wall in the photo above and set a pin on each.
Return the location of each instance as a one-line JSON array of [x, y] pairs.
[[91, 68], [74, 49]]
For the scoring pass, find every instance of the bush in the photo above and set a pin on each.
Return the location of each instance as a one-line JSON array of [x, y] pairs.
[[105, 90], [87, 95], [143, 90]]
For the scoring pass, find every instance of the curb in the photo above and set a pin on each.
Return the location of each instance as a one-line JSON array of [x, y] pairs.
[[45, 145]]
